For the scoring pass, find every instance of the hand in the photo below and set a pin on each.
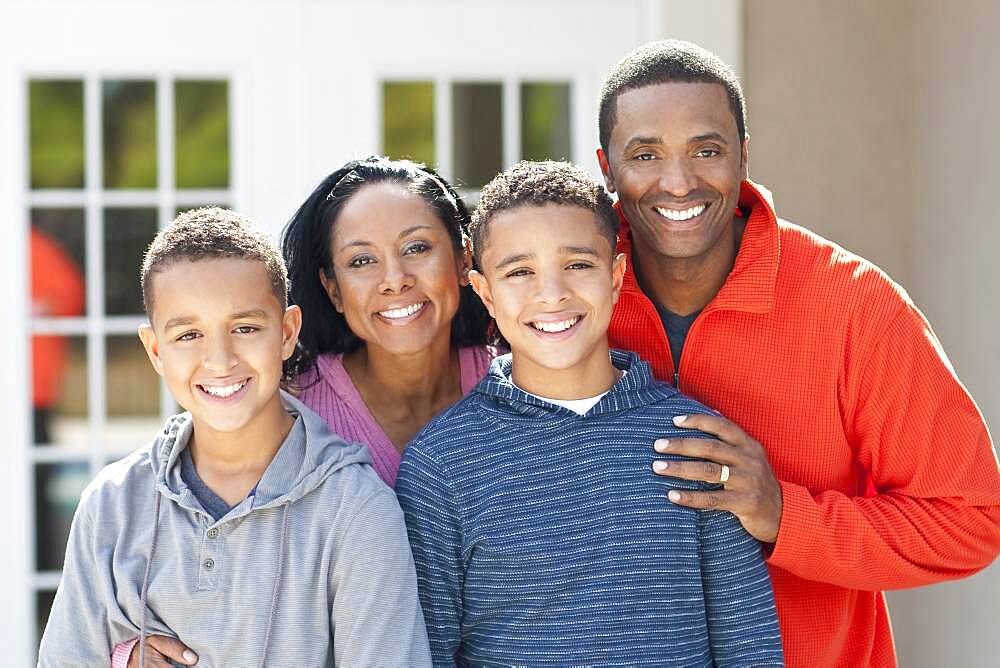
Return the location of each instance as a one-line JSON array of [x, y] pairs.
[[751, 492], [160, 651]]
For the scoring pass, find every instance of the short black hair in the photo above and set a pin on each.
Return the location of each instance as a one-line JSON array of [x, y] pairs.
[[305, 243], [667, 61], [530, 183], [206, 233]]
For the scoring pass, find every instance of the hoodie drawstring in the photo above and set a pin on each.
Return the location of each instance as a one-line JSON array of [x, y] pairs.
[[145, 578], [277, 581]]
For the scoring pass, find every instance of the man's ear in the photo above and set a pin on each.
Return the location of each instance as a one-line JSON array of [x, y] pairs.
[[152, 346], [617, 276], [482, 288], [331, 289], [602, 160], [291, 324], [745, 157]]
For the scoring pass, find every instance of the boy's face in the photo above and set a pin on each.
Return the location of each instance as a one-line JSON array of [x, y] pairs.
[[218, 336], [550, 279]]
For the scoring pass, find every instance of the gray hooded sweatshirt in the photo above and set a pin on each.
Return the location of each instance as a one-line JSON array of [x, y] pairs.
[[312, 569]]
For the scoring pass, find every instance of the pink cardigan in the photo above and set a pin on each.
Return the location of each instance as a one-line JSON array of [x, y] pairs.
[[337, 401]]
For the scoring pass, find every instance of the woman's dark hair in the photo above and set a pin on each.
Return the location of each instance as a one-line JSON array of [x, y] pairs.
[[305, 244]]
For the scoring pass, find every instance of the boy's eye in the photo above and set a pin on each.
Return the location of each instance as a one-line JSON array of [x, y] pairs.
[[246, 329], [188, 336], [360, 260], [517, 273], [581, 265], [416, 247]]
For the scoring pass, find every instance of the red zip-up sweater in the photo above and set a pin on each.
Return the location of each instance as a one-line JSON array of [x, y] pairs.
[[888, 475]]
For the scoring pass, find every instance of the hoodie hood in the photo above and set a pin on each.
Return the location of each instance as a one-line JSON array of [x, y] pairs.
[[635, 388], [308, 455]]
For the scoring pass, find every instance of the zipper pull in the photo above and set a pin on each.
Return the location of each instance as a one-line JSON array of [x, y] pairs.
[[677, 380]]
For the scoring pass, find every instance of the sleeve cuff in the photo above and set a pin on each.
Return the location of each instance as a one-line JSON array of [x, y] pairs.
[[119, 658], [795, 535]]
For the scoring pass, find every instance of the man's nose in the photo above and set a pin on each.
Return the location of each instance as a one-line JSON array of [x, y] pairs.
[[677, 176]]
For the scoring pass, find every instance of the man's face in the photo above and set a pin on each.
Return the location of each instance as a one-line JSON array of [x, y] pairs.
[[675, 160], [550, 279]]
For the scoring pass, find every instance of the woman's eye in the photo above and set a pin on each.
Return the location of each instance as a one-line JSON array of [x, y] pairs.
[[416, 247], [360, 261]]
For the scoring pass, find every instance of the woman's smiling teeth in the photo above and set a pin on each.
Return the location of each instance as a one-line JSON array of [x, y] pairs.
[[403, 312], [223, 391], [686, 214], [553, 327]]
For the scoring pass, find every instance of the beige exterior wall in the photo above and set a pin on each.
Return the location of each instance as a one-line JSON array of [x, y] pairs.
[[875, 123]]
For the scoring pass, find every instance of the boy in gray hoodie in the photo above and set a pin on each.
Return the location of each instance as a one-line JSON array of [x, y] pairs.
[[246, 528]]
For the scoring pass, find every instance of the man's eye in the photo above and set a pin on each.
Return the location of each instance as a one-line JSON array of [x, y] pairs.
[[416, 247], [644, 156], [708, 153]]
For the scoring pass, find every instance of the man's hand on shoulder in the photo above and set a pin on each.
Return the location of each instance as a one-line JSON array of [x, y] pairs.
[[750, 490]]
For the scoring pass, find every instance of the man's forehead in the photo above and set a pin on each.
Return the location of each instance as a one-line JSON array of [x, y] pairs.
[[700, 108]]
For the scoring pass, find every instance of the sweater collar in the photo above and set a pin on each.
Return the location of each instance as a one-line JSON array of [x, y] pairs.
[[750, 284], [635, 388]]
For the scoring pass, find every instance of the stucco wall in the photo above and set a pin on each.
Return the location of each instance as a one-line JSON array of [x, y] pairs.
[[875, 125]]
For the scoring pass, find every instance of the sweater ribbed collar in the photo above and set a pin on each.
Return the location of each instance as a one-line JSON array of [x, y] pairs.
[[635, 388], [750, 285]]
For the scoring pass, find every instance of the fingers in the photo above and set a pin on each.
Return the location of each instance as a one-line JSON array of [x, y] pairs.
[[693, 470], [161, 650], [714, 500], [699, 448], [715, 425]]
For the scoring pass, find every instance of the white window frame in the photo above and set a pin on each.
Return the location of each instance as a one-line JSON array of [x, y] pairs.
[[95, 326], [580, 129]]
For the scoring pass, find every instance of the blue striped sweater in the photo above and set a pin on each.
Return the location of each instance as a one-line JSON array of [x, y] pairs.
[[543, 538]]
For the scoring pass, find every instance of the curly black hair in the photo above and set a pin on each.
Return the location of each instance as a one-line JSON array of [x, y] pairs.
[[530, 183], [211, 232]]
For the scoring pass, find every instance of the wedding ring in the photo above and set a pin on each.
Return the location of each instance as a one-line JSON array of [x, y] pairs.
[[724, 474]]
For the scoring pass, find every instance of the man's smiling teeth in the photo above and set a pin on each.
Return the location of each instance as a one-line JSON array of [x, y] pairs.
[[402, 312], [225, 390], [686, 214], [552, 327]]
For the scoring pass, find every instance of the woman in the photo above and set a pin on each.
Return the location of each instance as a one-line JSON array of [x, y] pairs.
[[392, 333]]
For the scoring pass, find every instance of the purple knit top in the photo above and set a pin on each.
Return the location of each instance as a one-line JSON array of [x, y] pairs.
[[337, 401]]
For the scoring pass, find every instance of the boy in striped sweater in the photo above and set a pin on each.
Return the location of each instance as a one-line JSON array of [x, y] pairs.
[[540, 533]]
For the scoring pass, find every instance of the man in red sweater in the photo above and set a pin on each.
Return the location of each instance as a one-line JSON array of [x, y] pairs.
[[860, 461]]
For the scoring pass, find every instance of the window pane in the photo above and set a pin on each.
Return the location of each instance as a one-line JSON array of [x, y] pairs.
[[127, 233], [133, 394], [59, 389], [201, 125], [477, 126], [43, 601], [129, 134], [56, 134], [57, 262], [57, 491], [545, 121], [408, 120]]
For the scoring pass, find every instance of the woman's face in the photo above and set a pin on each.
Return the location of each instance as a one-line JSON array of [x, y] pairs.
[[396, 272]]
